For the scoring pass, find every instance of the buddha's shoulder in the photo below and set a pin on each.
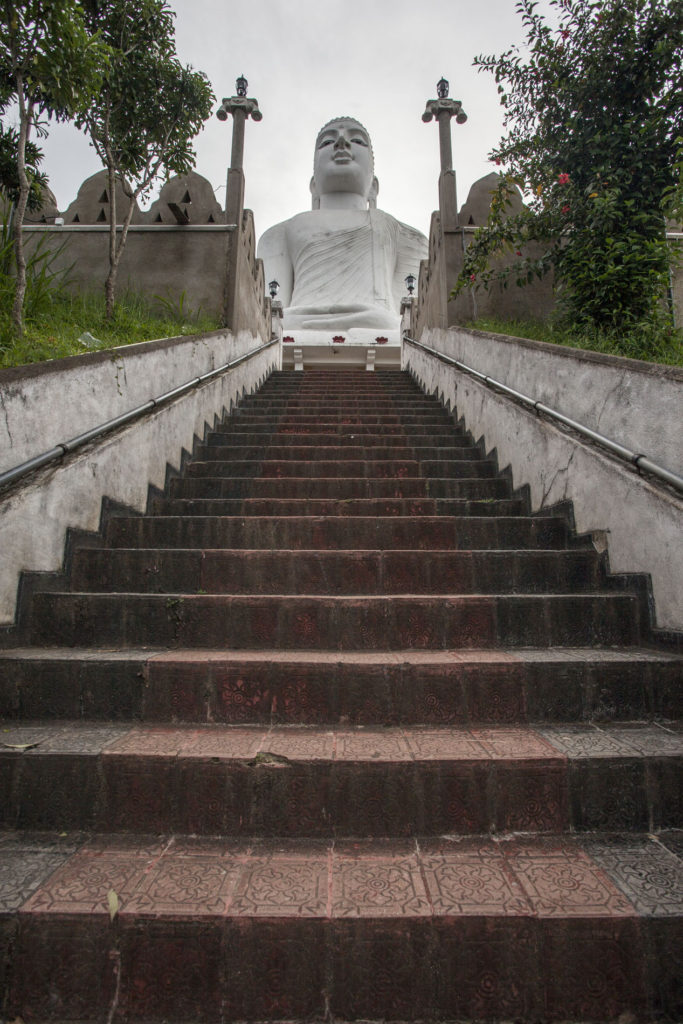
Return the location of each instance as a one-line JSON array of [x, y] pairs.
[[405, 232]]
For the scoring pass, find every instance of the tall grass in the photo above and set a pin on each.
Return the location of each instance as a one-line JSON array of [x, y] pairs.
[[55, 320]]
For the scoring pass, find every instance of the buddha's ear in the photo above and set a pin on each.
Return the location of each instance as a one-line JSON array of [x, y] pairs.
[[372, 194], [315, 204]]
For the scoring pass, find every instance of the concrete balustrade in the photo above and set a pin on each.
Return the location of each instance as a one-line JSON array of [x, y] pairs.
[[636, 404]]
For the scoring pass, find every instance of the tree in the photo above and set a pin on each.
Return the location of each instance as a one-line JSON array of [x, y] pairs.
[[147, 112], [595, 134], [51, 66]]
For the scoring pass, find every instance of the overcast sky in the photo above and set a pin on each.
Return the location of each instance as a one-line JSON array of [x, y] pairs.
[[310, 60]]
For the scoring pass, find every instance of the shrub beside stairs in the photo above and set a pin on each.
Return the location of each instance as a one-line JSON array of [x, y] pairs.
[[340, 730]]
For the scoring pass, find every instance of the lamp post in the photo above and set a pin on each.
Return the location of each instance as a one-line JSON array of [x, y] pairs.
[[241, 107], [410, 284]]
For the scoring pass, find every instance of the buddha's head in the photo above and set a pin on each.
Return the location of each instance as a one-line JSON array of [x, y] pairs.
[[344, 161]]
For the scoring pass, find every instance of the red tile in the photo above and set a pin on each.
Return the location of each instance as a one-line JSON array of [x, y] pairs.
[[467, 878], [566, 883], [371, 745], [373, 885], [285, 883]]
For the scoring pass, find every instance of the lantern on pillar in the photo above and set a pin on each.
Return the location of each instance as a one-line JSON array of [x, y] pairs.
[[410, 283], [241, 85]]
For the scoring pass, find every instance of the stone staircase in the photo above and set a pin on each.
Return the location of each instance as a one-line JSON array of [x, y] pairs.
[[340, 730]]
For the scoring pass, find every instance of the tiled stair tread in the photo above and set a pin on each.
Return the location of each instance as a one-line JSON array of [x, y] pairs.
[[610, 876], [336, 506], [257, 743], [551, 656]]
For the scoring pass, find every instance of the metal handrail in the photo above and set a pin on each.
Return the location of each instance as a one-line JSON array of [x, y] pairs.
[[65, 447], [641, 462]]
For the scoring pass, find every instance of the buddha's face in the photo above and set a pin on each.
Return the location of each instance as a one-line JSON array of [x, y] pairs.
[[343, 158]]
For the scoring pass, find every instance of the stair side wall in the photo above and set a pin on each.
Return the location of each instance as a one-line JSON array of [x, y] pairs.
[[638, 521], [36, 515]]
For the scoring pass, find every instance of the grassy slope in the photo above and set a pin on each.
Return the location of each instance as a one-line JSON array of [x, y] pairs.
[[653, 347]]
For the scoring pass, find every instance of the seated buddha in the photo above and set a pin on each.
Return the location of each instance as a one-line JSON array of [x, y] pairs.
[[342, 264]]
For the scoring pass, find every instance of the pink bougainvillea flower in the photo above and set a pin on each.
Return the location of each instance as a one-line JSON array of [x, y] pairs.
[[472, 277], [518, 252], [565, 33], [566, 208], [497, 161], [563, 178]]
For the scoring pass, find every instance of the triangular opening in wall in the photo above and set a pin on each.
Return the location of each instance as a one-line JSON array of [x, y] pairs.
[[470, 221], [76, 219], [211, 220], [157, 219], [186, 198], [101, 217], [104, 198]]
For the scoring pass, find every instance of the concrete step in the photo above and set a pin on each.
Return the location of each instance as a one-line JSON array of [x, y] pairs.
[[340, 488], [343, 782], [417, 533], [322, 419], [159, 570], [366, 623], [409, 687], [376, 469], [316, 453], [233, 439], [552, 929], [234, 427], [336, 507]]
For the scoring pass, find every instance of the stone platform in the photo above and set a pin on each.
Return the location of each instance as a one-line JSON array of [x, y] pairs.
[[360, 346]]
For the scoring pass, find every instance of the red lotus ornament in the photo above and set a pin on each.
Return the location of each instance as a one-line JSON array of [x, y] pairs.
[[339, 339], [288, 339], [381, 341]]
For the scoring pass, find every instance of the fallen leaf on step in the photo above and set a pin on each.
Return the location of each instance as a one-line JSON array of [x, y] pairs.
[[113, 904]]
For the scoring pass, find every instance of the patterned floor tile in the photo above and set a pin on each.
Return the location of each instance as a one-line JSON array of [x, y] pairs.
[[470, 880], [378, 886], [79, 739], [81, 885], [223, 743], [445, 744], [181, 886], [21, 872], [283, 884], [153, 742], [515, 744], [299, 744], [566, 883], [650, 740], [649, 875], [371, 744], [21, 737], [587, 741]]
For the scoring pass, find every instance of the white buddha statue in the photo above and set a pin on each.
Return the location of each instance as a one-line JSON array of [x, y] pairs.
[[343, 264]]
